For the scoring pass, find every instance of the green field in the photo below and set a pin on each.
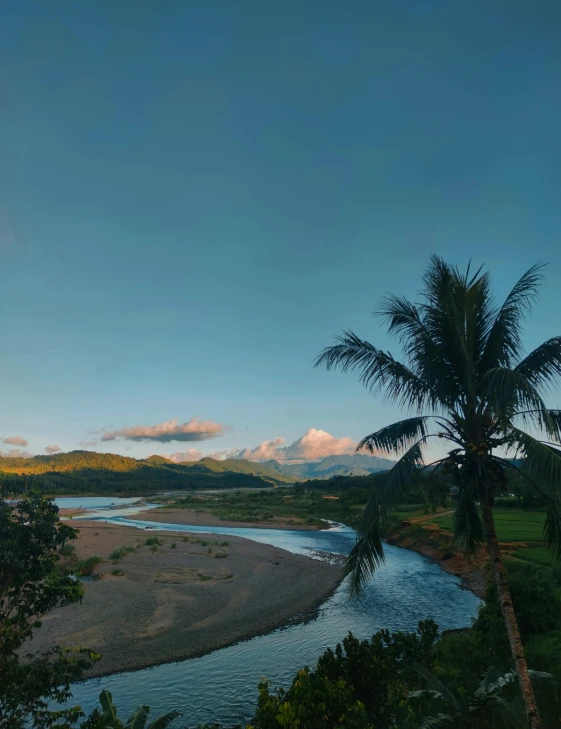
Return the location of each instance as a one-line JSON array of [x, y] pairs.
[[512, 525], [536, 555]]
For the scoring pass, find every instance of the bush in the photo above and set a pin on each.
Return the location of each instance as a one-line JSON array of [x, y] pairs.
[[118, 554], [67, 550], [153, 541], [86, 566]]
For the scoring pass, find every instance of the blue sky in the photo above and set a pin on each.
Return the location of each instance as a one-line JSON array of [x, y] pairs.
[[196, 196]]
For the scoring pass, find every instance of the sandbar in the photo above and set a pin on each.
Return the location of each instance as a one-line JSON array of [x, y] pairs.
[[180, 601]]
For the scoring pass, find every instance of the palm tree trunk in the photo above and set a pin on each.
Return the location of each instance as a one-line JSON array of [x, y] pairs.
[[505, 600]]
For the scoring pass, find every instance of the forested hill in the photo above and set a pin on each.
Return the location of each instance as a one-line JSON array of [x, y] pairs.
[[89, 472]]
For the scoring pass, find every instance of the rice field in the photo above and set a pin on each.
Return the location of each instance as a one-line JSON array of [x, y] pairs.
[[512, 525]]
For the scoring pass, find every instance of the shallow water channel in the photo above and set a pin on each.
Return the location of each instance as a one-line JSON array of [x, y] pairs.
[[222, 686]]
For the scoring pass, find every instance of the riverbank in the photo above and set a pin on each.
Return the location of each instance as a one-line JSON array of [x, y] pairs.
[[438, 546], [205, 518], [180, 595]]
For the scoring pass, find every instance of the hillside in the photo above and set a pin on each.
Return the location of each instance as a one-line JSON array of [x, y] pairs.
[[89, 472], [345, 465]]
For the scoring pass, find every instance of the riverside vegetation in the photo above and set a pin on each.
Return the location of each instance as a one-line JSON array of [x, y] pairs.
[[385, 682]]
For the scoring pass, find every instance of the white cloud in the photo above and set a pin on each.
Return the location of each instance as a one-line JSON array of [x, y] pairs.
[[52, 449], [16, 453], [312, 446], [191, 454], [16, 440], [170, 430]]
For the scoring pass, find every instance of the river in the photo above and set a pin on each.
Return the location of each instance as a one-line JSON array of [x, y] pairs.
[[222, 686]]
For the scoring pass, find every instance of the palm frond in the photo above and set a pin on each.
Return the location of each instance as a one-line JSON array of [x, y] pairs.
[[505, 391], [552, 528], [394, 438], [542, 367], [467, 524], [377, 371], [503, 342], [368, 552], [542, 461], [364, 558]]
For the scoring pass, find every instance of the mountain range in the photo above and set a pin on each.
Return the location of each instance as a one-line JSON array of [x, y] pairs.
[[88, 471]]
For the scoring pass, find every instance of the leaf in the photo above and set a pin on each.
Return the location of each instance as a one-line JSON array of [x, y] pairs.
[[162, 721], [504, 342], [109, 708], [457, 703], [542, 367], [552, 529], [364, 558], [394, 438], [378, 371], [542, 461], [137, 720]]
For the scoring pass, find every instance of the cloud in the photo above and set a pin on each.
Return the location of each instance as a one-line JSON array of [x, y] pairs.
[[191, 454], [52, 449], [88, 443], [312, 446], [170, 430], [16, 440], [15, 453]]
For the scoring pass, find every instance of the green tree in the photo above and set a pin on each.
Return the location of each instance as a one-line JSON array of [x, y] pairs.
[[31, 537], [464, 371]]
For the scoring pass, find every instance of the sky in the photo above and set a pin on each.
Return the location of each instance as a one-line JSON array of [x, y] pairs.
[[195, 197]]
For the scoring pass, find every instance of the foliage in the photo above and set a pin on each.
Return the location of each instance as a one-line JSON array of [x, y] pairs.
[[106, 717], [31, 537], [118, 554], [495, 704], [373, 678]]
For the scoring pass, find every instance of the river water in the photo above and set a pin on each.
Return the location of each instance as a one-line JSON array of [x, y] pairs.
[[222, 686]]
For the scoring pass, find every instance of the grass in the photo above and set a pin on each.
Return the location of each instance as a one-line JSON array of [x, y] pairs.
[[117, 573], [118, 554], [204, 578], [512, 525], [536, 555], [82, 568], [220, 555], [153, 542]]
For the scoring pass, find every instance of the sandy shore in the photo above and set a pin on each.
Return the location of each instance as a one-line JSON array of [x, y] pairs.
[[204, 518], [179, 602]]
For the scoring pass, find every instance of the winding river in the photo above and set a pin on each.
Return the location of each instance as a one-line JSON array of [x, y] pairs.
[[222, 686]]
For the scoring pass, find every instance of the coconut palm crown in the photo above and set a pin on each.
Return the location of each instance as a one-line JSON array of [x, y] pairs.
[[464, 381]]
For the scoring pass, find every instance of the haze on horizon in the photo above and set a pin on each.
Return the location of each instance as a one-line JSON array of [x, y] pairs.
[[195, 197]]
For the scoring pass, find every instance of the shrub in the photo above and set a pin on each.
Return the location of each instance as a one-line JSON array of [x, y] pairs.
[[86, 566], [173, 545], [153, 541], [118, 554], [67, 550], [220, 555]]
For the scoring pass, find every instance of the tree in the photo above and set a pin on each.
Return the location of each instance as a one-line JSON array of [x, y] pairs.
[[31, 537], [464, 372]]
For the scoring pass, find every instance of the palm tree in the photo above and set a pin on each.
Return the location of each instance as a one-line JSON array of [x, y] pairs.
[[463, 372]]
